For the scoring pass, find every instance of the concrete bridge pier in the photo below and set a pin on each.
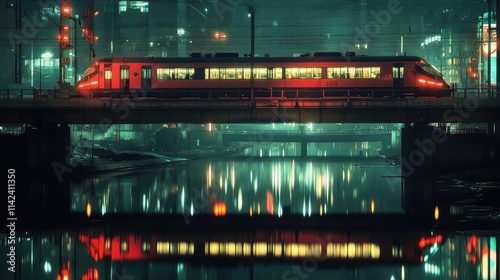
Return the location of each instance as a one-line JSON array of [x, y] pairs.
[[39, 158], [417, 168]]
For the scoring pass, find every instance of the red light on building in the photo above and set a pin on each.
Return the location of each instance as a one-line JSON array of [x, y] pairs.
[[220, 209]]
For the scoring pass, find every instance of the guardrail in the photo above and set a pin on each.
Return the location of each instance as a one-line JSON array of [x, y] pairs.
[[260, 94], [29, 93]]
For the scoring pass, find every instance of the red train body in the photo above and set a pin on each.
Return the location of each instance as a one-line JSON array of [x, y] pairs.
[[292, 77]]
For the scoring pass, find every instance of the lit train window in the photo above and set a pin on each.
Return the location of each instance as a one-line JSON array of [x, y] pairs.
[[107, 74], [359, 73], [303, 73], [239, 73], [230, 73], [174, 73], [398, 72], [162, 74], [246, 73], [260, 73], [277, 73], [214, 73], [353, 72]]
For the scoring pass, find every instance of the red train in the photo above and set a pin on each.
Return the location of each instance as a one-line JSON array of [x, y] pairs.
[[322, 75]]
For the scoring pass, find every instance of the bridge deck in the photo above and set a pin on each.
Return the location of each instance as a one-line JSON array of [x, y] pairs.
[[470, 109]]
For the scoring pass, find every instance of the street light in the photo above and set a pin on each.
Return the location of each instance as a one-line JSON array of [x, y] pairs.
[[45, 55]]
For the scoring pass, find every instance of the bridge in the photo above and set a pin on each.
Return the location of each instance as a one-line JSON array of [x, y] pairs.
[[303, 138], [473, 108]]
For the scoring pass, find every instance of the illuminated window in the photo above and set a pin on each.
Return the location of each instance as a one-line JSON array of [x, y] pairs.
[[353, 72], [146, 72], [277, 73], [142, 6], [124, 73], [122, 6], [239, 73], [303, 73], [107, 74], [230, 73], [222, 73], [260, 73], [174, 73], [398, 72]]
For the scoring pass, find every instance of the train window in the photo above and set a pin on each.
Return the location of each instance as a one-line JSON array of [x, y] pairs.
[[277, 73], [358, 73], [124, 73], [303, 73], [172, 73], [260, 73], [398, 72], [239, 73], [270, 73], [214, 73], [336, 73], [367, 73], [317, 72], [343, 72], [146, 72], [107, 74], [162, 74], [230, 73], [246, 74], [175, 73], [222, 73], [351, 73]]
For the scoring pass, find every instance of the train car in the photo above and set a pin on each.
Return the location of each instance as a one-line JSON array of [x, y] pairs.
[[322, 75]]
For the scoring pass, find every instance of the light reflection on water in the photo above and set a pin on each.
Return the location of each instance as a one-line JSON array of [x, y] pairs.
[[349, 149], [249, 186]]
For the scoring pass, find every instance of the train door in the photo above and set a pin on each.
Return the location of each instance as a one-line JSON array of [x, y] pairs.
[[125, 77], [146, 77], [398, 74], [107, 76]]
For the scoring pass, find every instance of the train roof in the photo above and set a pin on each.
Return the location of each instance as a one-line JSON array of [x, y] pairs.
[[260, 59]]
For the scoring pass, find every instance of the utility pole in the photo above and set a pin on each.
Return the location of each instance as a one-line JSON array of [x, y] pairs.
[[88, 28], [489, 48], [251, 13], [61, 21], [497, 92], [17, 47]]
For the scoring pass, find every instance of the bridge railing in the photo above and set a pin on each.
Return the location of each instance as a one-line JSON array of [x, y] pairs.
[[476, 91], [28, 93]]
